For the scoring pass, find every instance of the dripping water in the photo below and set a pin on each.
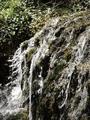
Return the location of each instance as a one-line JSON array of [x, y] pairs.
[[15, 98]]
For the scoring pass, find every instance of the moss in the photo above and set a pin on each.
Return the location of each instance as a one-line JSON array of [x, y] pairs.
[[30, 53], [79, 23], [67, 55], [19, 116], [59, 67], [73, 43], [25, 116], [26, 90]]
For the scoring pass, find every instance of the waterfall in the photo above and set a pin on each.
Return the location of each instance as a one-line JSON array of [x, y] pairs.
[[81, 48], [19, 69], [28, 64], [79, 51], [22, 60], [12, 91], [38, 55]]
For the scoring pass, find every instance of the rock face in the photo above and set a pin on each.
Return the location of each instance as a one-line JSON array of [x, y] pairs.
[[51, 73]]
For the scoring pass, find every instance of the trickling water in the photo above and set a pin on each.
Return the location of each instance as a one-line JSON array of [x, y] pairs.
[[19, 67], [81, 48], [29, 56]]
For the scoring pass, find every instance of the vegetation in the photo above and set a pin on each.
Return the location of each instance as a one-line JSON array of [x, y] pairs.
[[19, 17]]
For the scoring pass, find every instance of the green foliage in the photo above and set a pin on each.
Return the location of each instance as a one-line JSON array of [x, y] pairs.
[[78, 5], [20, 19], [7, 7], [14, 22]]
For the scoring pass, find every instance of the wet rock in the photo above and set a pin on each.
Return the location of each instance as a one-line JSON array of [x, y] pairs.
[[53, 71]]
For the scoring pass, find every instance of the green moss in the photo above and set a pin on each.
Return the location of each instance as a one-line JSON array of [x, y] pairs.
[[30, 53], [24, 46], [19, 116], [26, 90], [72, 43], [59, 67], [25, 116], [67, 55]]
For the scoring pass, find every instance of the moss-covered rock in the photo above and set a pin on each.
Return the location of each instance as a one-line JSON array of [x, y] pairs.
[[59, 87], [23, 115]]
